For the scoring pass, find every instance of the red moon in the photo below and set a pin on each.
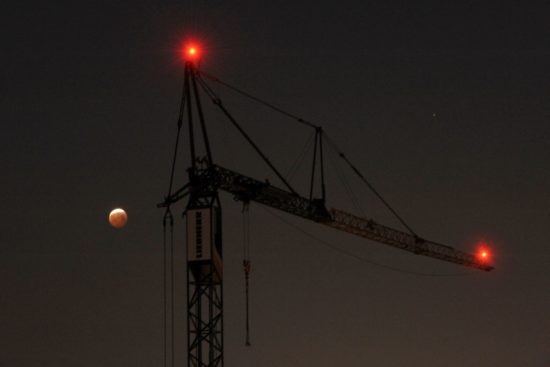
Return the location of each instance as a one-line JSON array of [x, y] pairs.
[[118, 218]]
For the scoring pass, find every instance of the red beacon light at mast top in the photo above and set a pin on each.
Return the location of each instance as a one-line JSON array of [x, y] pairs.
[[191, 52]]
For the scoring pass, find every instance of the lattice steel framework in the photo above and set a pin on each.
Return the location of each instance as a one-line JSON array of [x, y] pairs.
[[205, 287]]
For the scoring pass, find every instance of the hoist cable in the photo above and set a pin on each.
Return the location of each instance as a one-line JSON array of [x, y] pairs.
[[246, 229], [247, 265], [164, 292], [172, 291]]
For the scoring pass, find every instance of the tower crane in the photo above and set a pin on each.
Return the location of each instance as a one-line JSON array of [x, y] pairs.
[[204, 218]]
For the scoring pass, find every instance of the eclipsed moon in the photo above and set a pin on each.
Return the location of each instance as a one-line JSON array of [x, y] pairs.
[[118, 218]]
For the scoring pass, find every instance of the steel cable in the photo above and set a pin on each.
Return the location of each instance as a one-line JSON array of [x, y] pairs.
[[312, 125]]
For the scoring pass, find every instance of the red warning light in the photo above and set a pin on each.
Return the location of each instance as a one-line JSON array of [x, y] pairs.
[[483, 253], [191, 52]]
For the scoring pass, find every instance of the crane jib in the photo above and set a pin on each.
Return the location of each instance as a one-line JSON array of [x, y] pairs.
[[247, 189]]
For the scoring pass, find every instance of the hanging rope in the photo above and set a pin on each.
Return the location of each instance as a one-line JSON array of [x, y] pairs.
[[246, 265]]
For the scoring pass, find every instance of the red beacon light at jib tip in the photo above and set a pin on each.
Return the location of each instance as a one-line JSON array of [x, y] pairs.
[[483, 253]]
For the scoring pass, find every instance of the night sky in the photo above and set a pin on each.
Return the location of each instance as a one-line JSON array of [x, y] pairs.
[[444, 107]]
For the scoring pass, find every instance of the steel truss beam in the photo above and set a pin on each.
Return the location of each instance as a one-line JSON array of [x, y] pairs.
[[245, 188]]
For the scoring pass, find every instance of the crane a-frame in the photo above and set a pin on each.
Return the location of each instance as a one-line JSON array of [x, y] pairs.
[[204, 221]]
